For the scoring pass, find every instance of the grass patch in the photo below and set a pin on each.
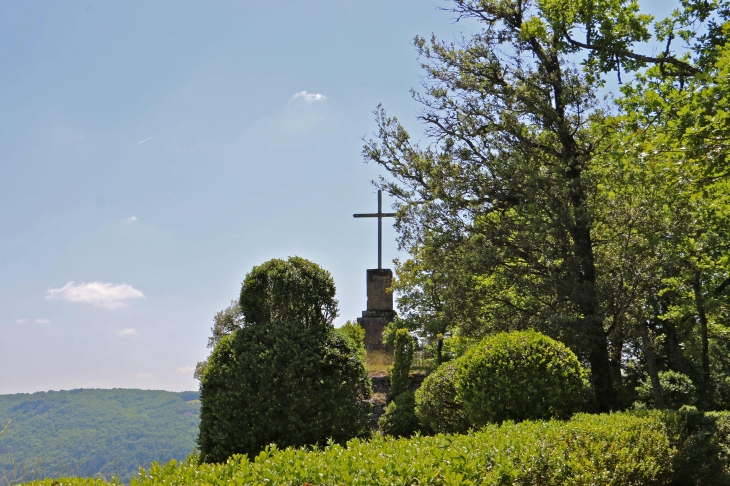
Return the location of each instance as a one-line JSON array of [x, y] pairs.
[[377, 362]]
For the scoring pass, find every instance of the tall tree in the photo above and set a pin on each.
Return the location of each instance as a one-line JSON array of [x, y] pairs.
[[509, 170]]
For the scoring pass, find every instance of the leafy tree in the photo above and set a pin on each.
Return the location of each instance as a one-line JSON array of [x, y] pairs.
[[287, 376], [356, 334], [677, 390], [225, 322], [504, 200]]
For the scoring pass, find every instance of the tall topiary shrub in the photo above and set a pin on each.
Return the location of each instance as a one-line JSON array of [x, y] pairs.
[[286, 377], [437, 406], [518, 376], [404, 345], [288, 290]]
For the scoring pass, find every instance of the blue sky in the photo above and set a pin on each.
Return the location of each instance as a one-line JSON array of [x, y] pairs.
[[151, 153]]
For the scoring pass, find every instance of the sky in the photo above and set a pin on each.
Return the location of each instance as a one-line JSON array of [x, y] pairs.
[[152, 153]]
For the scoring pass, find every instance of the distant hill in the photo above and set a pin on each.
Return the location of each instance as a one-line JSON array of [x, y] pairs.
[[94, 432]]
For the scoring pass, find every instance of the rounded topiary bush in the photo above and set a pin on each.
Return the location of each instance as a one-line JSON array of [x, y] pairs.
[[518, 376], [437, 406], [286, 376]]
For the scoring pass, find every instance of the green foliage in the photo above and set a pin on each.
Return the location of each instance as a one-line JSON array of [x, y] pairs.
[[291, 290], [94, 432], [404, 345], [282, 383], [587, 450], [399, 419], [702, 441], [672, 448], [225, 322], [677, 390], [72, 482], [287, 376], [356, 335], [437, 405], [518, 376]]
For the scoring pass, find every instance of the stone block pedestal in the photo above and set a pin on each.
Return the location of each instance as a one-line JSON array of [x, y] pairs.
[[379, 309]]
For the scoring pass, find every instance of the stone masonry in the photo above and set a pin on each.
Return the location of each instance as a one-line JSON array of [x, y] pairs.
[[379, 309]]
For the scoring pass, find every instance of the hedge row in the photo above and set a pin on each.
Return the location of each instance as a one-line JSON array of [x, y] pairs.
[[658, 448]]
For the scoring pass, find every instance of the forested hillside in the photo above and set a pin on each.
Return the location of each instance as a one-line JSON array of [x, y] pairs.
[[92, 432]]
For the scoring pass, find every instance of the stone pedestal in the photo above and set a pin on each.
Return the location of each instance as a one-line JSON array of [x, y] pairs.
[[379, 309]]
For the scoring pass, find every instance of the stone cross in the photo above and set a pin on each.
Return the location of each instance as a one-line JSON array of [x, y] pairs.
[[380, 215]]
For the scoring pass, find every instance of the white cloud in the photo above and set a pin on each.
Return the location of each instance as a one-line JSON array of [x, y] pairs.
[[144, 375], [132, 219], [42, 321], [310, 97], [21, 321], [99, 294], [186, 369], [127, 332]]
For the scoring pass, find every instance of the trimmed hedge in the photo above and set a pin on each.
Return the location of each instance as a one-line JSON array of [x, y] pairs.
[[674, 448], [521, 375], [437, 406], [281, 383], [589, 449]]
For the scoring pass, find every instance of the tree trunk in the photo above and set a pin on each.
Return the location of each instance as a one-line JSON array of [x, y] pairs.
[[656, 387], [702, 317], [586, 299], [671, 344], [616, 352], [439, 350]]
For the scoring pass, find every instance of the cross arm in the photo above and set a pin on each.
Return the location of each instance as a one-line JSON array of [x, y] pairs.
[[374, 215]]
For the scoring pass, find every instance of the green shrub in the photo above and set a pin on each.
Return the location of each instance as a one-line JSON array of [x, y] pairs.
[[437, 405], [677, 390], [617, 449], [518, 376], [702, 441], [399, 419], [289, 383], [286, 291], [356, 334], [404, 345]]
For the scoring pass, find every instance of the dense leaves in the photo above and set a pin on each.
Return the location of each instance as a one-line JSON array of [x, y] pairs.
[[296, 382], [403, 348], [532, 205], [291, 290], [587, 450], [94, 432], [399, 419], [518, 376], [437, 405]]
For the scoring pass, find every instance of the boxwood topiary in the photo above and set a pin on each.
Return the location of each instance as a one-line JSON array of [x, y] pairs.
[[518, 376], [287, 376], [437, 406]]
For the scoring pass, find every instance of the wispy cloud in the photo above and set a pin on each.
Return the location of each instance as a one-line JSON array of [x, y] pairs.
[[147, 139], [127, 332], [99, 294], [21, 321], [186, 369], [310, 97], [132, 219], [42, 321]]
